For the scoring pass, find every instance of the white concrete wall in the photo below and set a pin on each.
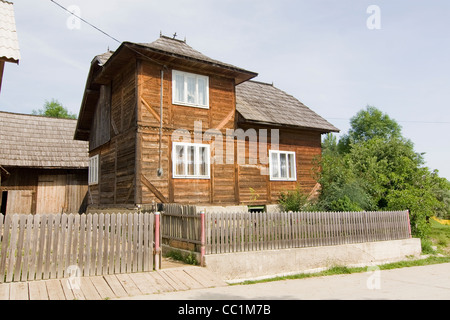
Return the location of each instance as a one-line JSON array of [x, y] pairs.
[[263, 264]]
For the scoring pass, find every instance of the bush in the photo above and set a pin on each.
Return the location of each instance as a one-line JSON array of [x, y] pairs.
[[294, 200], [344, 204]]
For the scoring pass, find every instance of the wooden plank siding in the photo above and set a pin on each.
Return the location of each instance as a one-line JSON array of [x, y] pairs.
[[118, 155], [129, 161], [31, 191]]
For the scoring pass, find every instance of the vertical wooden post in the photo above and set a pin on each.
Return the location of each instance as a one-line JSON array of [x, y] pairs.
[[203, 238], [157, 244], [409, 224]]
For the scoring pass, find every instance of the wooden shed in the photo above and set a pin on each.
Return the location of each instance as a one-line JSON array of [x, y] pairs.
[[44, 170], [153, 114]]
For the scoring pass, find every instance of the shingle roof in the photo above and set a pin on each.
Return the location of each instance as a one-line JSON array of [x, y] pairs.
[[9, 44], [264, 103], [40, 142], [182, 49]]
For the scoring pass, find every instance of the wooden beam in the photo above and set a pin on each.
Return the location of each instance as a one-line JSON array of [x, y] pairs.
[[226, 120], [2, 66], [153, 189], [150, 109]]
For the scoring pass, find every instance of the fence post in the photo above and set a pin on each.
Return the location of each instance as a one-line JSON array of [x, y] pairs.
[[409, 224], [157, 244], [203, 238]]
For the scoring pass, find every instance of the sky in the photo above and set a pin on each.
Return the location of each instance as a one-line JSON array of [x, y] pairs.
[[336, 57]]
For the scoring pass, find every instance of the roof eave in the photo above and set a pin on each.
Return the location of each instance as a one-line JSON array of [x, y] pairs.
[[322, 130]]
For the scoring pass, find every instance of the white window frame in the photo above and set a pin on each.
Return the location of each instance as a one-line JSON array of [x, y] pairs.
[[197, 147], [93, 170], [185, 102], [289, 169]]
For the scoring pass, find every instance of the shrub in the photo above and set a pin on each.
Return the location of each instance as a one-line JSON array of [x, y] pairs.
[[294, 200]]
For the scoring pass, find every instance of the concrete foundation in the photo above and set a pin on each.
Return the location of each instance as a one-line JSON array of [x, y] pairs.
[[263, 264]]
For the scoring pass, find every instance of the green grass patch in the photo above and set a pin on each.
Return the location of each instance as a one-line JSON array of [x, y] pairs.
[[338, 270], [183, 257], [440, 237]]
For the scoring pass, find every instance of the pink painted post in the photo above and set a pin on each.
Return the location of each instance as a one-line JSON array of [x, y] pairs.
[[409, 224], [203, 239], [157, 244]]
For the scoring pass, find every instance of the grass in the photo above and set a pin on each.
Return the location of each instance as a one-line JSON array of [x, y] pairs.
[[186, 258], [439, 238], [338, 270]]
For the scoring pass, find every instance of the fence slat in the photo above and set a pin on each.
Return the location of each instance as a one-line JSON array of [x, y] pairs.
[[26, 258]]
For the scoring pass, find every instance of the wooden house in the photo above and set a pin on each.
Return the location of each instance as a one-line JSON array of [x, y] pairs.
[[9, 44], [152, 114], [43, 170]]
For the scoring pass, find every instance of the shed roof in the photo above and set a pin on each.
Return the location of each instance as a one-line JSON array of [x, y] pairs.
[[40, 142], [9, 44], [263, 103]]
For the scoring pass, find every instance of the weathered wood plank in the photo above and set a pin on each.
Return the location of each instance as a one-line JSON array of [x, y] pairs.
[[19, 291], [115, 285], [12, 248], [55, 290], [4, 291], [128, 284], [102, 288], [143, 283], [20, 245], [37, 290], [88, 289]]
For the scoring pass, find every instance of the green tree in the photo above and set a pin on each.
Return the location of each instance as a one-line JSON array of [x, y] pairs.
[[367, 124], [374, 167], [54, 109]]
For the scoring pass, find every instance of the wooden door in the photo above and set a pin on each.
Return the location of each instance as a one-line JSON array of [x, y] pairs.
[[19, 201], [51, 194]]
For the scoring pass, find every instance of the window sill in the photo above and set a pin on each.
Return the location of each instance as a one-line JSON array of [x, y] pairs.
[[190, 105], [192, 177]]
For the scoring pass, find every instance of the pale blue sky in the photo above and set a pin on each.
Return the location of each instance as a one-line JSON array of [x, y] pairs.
[[319, 51]]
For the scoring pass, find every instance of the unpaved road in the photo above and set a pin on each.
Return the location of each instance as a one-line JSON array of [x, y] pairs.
[[414, 283]]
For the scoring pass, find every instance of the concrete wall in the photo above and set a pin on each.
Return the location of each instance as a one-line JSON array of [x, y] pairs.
[[263, 264]]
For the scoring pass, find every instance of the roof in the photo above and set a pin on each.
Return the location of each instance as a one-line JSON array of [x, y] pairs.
[[40, 142], [182, 49], [264, 103], [164, 51], [9, 44]]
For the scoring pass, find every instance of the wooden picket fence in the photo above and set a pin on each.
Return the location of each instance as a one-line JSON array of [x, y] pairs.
[[241, 232], [180, 223], [35, 247]]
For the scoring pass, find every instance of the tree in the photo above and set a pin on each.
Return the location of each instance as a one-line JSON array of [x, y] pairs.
[[54, 109], [374, 167], [367, 124]]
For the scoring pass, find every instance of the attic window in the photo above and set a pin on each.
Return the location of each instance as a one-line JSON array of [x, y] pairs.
[[282, 166], [190, 89]]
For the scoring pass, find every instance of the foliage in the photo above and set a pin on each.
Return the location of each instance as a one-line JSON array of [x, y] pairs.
[[189, 258], [367, 124], [374, 167], [54, 109], [294, 200]]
